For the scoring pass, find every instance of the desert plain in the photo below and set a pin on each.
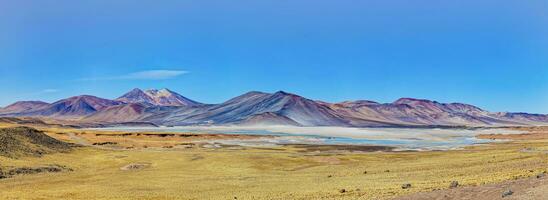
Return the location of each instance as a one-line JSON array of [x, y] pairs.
[[101, 164]]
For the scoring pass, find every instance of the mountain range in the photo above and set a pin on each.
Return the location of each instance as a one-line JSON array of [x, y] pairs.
[[165, 107]]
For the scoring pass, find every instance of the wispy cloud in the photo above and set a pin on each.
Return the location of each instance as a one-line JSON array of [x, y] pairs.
[[142, 75], [41, 92], [49, 91]]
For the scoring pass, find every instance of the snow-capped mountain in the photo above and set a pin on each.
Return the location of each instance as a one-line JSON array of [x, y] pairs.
[[163, 97]]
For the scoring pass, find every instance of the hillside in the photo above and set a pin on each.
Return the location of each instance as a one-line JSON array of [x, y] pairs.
[[288, 106], [73, 107], [23, 141], [23, 106]]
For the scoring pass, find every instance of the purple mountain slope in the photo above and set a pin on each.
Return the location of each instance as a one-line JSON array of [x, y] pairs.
[[164, 107], [408, 111], [23, 106], [284, 105], [74, 107]]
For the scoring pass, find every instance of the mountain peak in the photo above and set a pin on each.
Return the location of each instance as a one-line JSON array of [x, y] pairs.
[[76, 106], [412, 101], [162, 97], [359, 102], [284, 93], [135, 91], [162, 92]]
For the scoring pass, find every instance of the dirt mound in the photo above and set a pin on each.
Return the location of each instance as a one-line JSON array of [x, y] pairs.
[[24, 141], [135, 166]]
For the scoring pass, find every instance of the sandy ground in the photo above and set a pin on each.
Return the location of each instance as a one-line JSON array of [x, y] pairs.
[[156, 166], [530, 133], [524, 189], [534, 188]]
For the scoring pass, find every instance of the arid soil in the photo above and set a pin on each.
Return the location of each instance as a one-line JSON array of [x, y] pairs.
[[531, 133], [523, 189], [141, 165], [533, 188]]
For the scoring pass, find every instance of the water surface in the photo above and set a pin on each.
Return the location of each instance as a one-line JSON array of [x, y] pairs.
[[403, 138]]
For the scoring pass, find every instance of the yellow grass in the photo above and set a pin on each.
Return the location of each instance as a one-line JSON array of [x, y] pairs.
[[282, 173]]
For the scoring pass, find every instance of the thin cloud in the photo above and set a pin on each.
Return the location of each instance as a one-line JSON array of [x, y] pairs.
[[41, 92], [49, 91], [142, 75]]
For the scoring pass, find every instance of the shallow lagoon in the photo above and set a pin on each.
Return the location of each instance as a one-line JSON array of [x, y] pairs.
[[403, 138]]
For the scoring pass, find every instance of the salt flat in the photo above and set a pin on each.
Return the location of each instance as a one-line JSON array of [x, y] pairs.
[[403, 138]]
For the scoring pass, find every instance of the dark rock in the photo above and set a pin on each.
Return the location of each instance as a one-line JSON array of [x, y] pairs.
[[105, 143], [386, 170], [36, 170], [2, 174], [342, 190], [541, 175], [406, 186], [454, 184], [33, 170], [507, 193], [364, 172]]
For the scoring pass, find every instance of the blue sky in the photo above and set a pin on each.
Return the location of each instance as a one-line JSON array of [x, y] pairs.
[[490, 53]]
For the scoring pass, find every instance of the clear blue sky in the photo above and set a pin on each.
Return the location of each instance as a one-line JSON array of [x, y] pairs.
[[490, 53]]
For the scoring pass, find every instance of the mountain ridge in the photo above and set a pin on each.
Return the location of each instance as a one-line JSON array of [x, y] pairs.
[[165, 107]]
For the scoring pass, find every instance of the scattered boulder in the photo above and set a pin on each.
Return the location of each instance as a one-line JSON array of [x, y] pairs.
[[135, 166], [364, 172], [454, 184], [329, 176], [541, 175], [386, 170], [342, 190], [186, 145], [507, 193], [2, 174], [406, 186]]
